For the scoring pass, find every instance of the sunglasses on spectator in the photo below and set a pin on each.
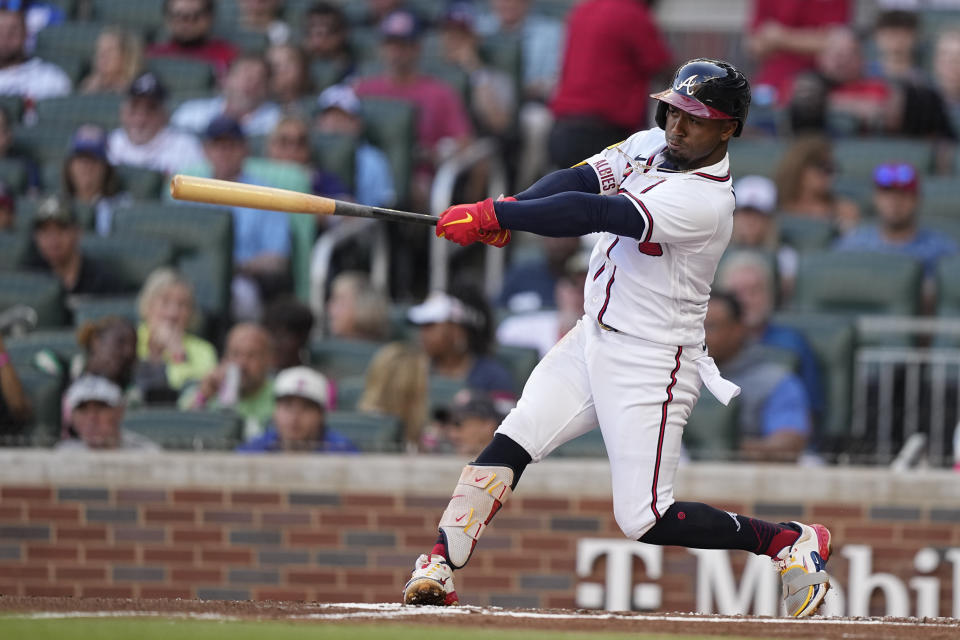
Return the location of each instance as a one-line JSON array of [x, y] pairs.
[[895, 176]]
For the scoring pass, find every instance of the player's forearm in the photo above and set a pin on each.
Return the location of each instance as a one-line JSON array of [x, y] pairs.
[[581, 178], [572, 214]]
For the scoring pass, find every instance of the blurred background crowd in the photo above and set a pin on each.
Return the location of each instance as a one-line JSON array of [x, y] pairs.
[[128, 320]]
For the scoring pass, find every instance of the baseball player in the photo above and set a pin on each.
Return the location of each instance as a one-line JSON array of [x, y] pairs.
[[663, 204]]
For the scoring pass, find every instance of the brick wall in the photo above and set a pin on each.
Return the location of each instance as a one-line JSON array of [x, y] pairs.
[[90, 534]]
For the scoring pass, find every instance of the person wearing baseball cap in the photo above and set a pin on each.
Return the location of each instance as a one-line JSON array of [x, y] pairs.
[[299, 417], [473, 417], [898, 230], [144, 138], [89, 179], [755, 226], [96, 407]]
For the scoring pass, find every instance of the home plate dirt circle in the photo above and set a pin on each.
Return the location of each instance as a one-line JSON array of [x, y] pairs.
[[492, 617]]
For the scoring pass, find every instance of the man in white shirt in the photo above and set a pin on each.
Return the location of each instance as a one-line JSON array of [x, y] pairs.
[[96, 410], [244, 98], [145, 139], [31, 78]]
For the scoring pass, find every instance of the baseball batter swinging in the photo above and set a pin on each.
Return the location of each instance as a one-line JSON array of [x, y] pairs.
[[663, 203]]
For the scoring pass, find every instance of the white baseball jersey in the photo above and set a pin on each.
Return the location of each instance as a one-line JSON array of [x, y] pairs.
[[657, 288], [169, 151]]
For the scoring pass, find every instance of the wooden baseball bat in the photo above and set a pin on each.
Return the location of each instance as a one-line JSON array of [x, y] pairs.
[[238, 194]]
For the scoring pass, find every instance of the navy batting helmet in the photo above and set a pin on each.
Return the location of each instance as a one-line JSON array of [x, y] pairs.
[[707, 88]]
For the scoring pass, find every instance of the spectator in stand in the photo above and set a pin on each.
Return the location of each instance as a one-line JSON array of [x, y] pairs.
[[88, 177], [289, 322], [15, 408], [56, 234], [289, 75], [299, 418], [117, 60], [492, 97], [397, 384], [775, 422], [110, 350], [357, 311], [189, 24], [896, 41], [20, 75], [263, 16], [246, 89], [542, 329], [898, 230], [241, 382], [443, 125], [613, 50], [290, 142], [541, 39], [170, 356], [8, 208], [96, 407], [785, 38], [456, 333], [946, 71], [145, 139], [755, 227], [326, 38], [474, 416], [804, 181], [749, 277], [339, 113], [530, 285], [261, 239]]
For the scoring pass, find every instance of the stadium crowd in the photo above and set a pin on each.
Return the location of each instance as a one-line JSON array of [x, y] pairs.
[[131, 321]]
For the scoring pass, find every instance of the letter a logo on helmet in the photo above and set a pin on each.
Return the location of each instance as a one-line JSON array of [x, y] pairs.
[[707, 88]]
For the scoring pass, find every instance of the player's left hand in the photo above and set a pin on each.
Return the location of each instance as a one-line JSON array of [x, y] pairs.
[[469, 223]]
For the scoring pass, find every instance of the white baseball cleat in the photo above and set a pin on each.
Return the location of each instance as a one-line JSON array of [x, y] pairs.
[[805, 582], [431, 583]]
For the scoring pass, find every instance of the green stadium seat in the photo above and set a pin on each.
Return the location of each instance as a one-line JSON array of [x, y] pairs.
[[75, 40], [325, 73], [858, 157], [949, 226], [144, 16], [349, 391], [372, 433], [245, 41], [183, 74], [806, 234], [713, 430], [756, 156], [142, 184], [74, 110], [173, 429], [504, 51], [832, 339], [948, 296], [589, 445], [340, 358], [37, 290], [853, 282], [13, 106], [520, 361], [13, 173], [14, 246], [92, 309], [44, 391], [391, 125], [336, 154], [130, 257], [24, 349], [364, 41], [46, 143], [939, 197], [442, 389], [400, 326]]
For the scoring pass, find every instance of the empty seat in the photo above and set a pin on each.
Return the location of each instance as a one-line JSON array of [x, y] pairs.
[[858, 157], [44, 391], [832, 339], [520, 361], [340, 358], [14, 246], [13, 173], [712, 431], [142, 184], [589, 445], [74, 40], [41, 292], [372, 433], [756, 156], [92, 309], [391, 125], [939, 197], [854, 282], [349, 391], [46, 143], [144, 16], [62, 343], [13, 106], [130, 257], [173, 429], [442, 389], [74, 110], [806, 234], [183, 74], [336, 154]]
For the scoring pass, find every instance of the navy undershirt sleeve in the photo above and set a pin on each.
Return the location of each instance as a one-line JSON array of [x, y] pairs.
[[572, 214], [580, 178]]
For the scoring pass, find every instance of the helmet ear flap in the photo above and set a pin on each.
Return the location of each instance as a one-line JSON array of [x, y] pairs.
[[661, 117]]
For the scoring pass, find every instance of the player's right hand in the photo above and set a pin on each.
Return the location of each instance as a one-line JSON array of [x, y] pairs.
[[469, 223]]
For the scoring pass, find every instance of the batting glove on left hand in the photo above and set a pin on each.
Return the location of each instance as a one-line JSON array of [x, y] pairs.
[[469, 223]]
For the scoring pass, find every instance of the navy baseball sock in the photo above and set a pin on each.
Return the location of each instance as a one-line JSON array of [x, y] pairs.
[[502, 451], [700, 526]]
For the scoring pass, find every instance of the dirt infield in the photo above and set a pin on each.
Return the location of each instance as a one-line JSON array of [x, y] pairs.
[[493, 617]]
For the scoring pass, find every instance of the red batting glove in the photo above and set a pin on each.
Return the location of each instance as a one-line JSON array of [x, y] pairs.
[[469, 223]]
